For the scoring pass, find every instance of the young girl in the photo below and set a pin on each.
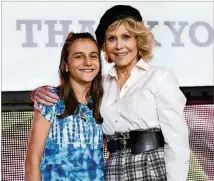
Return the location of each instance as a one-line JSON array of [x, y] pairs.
[[66, 139]]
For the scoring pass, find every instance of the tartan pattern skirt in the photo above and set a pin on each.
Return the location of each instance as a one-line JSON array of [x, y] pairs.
[[125, 166]]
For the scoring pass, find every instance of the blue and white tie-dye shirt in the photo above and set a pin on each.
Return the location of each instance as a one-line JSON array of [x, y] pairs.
[[74, 146]]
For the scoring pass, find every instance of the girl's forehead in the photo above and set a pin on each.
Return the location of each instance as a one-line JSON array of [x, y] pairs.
[[84, 45]]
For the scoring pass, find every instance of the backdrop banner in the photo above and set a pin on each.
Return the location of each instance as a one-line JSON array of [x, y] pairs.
[[33, 35]]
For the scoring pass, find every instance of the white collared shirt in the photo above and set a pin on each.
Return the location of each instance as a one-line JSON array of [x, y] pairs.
[[150, 98]]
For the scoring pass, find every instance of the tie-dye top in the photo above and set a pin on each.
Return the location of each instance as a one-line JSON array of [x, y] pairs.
[[74, 146]]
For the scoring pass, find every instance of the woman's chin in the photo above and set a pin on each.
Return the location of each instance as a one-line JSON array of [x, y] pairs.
[[122, 64]]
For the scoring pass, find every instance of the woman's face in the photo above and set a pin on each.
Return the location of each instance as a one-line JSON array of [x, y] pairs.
[[83, 61], [121, 47]]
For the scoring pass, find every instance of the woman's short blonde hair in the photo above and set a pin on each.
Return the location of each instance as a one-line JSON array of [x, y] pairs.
[[144, 37]]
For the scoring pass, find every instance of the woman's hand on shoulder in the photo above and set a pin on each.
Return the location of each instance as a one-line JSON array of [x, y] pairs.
[[43, 95]]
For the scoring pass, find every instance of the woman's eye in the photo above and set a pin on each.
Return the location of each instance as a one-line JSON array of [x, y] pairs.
[[111, 38], [126, 37]]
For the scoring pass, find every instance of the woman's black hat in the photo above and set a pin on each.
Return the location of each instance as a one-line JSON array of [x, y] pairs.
[[113, 14]]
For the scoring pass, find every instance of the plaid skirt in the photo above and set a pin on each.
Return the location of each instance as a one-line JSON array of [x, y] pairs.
[[125, 166]]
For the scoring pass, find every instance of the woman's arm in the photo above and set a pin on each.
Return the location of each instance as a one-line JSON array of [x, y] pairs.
[[38, 135], [44, 96], [170, 105]]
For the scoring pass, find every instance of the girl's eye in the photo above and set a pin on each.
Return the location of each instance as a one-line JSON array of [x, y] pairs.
[[94, 57], [79, 57]]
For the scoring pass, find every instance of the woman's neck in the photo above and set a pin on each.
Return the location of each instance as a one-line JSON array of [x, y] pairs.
[[81, 91], [124, 72]]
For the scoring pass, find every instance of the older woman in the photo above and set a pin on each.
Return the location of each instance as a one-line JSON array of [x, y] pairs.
[[142, 106]]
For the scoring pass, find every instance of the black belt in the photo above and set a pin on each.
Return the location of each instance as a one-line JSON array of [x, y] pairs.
[[139, 142]]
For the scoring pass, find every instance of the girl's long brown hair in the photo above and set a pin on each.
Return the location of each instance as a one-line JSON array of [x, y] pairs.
[[66, 92]]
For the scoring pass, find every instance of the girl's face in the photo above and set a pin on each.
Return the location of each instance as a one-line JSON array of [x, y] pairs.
[[83, 61], [121, 46]]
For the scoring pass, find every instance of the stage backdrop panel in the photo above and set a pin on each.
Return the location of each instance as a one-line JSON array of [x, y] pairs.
[[33, 34], [15, 132]]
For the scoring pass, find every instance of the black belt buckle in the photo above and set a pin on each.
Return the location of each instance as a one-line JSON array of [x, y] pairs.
[[121, 142]]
